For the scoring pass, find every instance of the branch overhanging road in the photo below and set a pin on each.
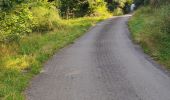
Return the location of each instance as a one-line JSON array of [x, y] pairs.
[[104, 64]]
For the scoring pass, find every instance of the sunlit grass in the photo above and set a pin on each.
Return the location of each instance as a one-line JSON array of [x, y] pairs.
[[19, 62]]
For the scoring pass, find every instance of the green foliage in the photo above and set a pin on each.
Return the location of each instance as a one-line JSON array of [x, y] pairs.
[[119, 7], [152, 3], [118, 12], [23, 46], [123, 2], [112, 6], [15, 24], [46, 16], [151, 27], [98, 8], [80, 8], [74, 8], [19, 62], [9, 4], [25, 18], [141, 2]]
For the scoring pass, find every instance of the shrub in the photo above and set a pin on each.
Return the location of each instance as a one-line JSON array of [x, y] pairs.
[[98, 8], [46, 16], [15, 24], [25, 18], [118, 12]]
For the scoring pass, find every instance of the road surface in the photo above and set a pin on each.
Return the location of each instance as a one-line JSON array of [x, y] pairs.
[[104, 64]]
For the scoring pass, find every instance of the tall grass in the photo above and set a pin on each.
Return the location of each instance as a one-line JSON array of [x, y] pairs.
[[151, 28]]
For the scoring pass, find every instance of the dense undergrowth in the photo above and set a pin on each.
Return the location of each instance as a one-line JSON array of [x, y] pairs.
[[151, 28]]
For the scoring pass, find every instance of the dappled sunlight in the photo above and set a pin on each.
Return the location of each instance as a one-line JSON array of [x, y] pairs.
[[17, 63]]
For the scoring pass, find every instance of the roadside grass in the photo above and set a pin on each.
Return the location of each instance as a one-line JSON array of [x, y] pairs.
[[151, 29], [20, 62]]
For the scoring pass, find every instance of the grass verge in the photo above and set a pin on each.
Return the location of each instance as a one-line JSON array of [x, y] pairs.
[[20, 62], [150, 27]]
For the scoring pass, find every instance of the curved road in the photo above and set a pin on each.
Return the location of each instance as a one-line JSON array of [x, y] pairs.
[[104, 64]]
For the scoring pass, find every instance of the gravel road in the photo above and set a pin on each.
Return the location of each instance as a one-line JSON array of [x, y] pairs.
[[103, 64]]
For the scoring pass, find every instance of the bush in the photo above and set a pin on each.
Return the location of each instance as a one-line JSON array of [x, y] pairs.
[[15, 24], [98, 8], [46, 16], [25, 18], [118, 12]]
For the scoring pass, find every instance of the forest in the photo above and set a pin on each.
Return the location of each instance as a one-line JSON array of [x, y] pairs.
[[31, 31]]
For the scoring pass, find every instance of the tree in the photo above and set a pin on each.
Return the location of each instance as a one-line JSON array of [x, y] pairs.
[[8, 4], [121, 5], [79, 8], [73, 8]]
